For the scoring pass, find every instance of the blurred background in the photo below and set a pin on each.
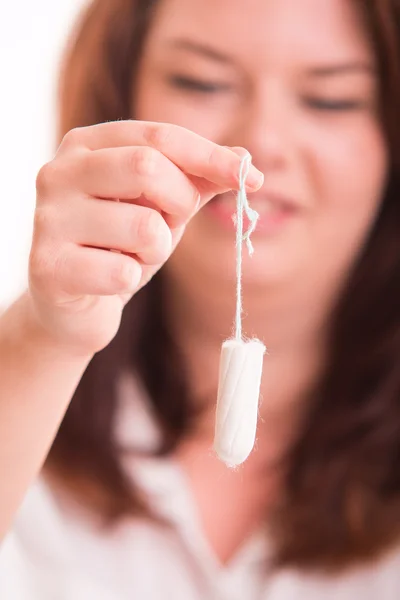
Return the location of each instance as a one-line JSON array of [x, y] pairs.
[[32, 36]]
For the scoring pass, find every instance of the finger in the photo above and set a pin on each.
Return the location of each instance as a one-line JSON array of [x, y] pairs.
[[193, 153], [90, 271], [128, 173], [125, 227]]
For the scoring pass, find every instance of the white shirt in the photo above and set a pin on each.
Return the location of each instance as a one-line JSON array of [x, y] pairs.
[[56, 554]]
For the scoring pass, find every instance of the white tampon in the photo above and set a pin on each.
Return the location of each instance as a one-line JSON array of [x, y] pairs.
[[240, 373], [241, 361]]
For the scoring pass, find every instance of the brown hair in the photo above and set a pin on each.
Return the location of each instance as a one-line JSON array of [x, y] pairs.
[[340, 501]]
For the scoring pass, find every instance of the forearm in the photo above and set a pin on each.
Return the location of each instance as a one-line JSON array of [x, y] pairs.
[[37, 380]]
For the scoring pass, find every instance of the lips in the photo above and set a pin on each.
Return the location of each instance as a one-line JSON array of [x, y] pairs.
[[261, 202], [274, 210]]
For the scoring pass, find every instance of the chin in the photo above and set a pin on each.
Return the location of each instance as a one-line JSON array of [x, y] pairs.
[[266, 267], [210, 255]]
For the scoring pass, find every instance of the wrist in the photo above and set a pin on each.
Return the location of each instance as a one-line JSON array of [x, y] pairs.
[[25, 328]]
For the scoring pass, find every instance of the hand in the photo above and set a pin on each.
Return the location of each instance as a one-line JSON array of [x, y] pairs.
[[111, 207]]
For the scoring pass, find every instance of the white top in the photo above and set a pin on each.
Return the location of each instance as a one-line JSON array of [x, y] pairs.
[[53, 554]]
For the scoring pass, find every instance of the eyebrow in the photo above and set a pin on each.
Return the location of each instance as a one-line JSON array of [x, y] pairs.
[[345, 68], [199, 48]]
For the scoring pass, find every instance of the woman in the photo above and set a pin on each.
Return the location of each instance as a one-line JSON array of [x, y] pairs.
[[131, 502]]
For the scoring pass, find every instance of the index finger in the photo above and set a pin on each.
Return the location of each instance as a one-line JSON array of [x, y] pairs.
[[191, 152]]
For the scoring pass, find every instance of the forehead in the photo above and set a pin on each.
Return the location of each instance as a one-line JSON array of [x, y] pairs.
[[309, 29]]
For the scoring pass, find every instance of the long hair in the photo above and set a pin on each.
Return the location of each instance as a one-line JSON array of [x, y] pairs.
[[340, 501]]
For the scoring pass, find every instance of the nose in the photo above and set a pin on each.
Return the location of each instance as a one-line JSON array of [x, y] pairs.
[[264, 126]]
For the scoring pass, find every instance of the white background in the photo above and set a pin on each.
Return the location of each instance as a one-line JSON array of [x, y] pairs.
[[32, 36]]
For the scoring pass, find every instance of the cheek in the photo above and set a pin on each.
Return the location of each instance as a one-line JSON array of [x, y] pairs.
[[349, 173]]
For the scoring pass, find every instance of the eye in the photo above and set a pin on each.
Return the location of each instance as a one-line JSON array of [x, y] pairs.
[[198, 85], [334, 105]]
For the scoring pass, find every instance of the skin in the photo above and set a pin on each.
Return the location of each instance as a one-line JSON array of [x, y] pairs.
[[307, 112], [332, 162]]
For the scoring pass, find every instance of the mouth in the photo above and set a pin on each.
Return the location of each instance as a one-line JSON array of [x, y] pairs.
[[274, 210]]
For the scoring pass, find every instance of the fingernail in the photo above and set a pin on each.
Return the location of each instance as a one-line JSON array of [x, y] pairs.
[[254, 179]]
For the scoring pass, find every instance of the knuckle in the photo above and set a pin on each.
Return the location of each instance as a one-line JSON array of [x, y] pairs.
[[46, 179], [43, 221], [71, 138], [144, 161], [157, 135]]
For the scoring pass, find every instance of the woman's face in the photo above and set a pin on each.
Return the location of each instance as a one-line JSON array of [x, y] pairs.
[[292, 81]]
